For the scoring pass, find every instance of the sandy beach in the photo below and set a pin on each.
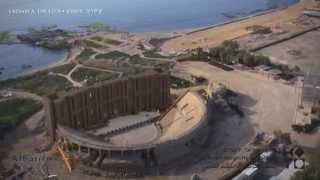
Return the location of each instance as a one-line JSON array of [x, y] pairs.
[[216, 35]]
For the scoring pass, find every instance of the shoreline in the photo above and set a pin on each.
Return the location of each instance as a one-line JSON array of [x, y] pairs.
[[238, 19], [192, 30], [200, 37], [32, 71], [62, 61], [172, 35]]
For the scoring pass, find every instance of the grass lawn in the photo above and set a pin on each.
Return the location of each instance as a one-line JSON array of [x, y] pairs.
[[136, 59], [113, 55], [93, 44], [64, 69], [97, 38], [92, 76], [112, 42], [85, 54], [176, 83], [40, 83], [15, 110], [97, 27], [106, 40]]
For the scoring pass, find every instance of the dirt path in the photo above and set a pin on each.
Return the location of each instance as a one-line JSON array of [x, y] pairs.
[[100, 69], [215, 36], [69, 78]]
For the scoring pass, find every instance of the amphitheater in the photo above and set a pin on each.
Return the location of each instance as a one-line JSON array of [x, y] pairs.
[[127, 125]]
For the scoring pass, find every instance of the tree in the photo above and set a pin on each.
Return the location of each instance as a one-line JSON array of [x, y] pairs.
[[248, 60], [262, 60]]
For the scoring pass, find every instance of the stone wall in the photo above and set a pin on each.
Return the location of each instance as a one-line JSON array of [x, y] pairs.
[[93, 106]]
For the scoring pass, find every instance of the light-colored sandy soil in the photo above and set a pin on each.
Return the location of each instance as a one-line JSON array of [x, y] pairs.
[[272, 105], [268, 106], [214, 36], [308, 46]]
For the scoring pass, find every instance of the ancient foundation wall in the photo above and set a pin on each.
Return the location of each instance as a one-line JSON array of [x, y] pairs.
[[93, 106], [182, 144], [171, 151], [161, 152]]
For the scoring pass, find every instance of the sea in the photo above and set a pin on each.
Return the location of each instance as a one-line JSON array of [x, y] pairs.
[[17, 16]]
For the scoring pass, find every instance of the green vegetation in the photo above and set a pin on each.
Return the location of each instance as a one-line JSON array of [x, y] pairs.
[[106, 41], [177, 83], [97, 27], [55, 45], [92, 76], [221, 66], [230, 53], [40, 83], [307, 128], [63, 69], [41, 29], [48, 37], [112, 42], [97, 38], [4, 36], [312, 171], [257, 29], [194, 55], [13, 111], [153, 54], [93, 44], [113, 55], [186, 57], [136, 59], [85, 54]]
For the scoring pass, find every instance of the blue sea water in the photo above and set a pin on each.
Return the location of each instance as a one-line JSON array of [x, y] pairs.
[[130, 15], [126, 15], [13, 57]]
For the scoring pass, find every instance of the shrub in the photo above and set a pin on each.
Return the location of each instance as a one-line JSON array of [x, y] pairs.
[[229, 52], [307, 128], [221, 66], [256, 29], [176, 83], [153, 54], [262, 60], [297, 128], [13, 111]]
